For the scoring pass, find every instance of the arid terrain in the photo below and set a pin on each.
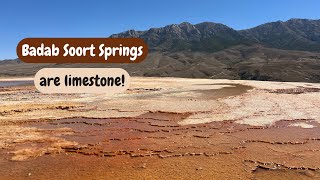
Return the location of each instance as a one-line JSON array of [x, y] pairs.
[[162, 128], [285, 51]]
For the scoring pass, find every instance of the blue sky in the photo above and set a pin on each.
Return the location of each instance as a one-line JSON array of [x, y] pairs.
[[83, 18]]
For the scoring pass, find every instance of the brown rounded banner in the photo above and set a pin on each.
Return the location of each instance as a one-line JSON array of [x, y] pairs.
[[82, 50]]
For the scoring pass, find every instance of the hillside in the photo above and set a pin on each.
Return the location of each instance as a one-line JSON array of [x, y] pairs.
[[295, 34], [277, 51]]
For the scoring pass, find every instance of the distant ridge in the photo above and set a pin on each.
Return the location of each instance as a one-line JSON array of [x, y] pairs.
[[294, 34], [276, 51]]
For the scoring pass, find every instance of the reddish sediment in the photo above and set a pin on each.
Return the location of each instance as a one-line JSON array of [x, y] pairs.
[[154, 145]]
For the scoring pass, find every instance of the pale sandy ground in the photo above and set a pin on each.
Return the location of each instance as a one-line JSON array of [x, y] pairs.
[[256, 107]]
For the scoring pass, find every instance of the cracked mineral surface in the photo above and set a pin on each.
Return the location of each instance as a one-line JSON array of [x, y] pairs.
[[162, 128]]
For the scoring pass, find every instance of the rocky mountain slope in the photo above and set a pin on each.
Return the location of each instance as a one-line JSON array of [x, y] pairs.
[[277, 51], [295, 34], [205, 36]]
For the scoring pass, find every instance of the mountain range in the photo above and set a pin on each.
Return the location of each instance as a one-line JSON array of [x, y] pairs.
[[278, 51], [294, 34]]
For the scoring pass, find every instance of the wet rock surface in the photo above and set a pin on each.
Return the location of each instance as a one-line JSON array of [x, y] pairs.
[[84, 138]]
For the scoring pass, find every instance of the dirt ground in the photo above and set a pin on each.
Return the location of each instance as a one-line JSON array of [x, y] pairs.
[[162, 128]]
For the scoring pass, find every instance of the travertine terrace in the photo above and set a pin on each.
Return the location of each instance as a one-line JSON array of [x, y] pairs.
[[162, 128]]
